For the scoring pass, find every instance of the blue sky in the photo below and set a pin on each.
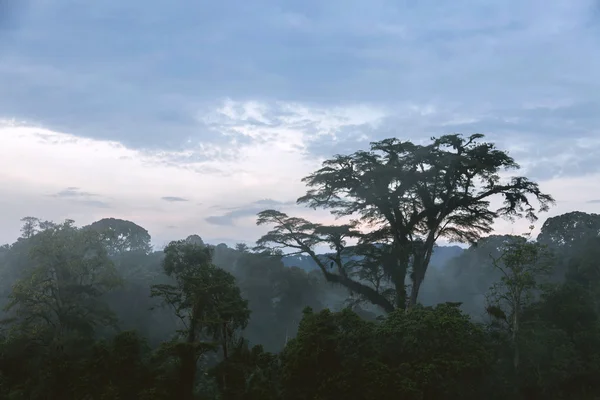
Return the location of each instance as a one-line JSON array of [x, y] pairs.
[[189, 116]]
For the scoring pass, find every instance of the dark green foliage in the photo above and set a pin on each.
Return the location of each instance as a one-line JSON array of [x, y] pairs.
[[67, 272], [248, 374], [402, 197], [327, 357], [83, 319], [438, 350], [429, 353], [122, 236], [208, 304]]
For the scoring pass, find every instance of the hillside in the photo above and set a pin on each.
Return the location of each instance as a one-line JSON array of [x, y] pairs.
[[441, 255]]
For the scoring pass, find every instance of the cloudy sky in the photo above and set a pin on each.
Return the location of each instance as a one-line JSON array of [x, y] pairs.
[[191, 116]]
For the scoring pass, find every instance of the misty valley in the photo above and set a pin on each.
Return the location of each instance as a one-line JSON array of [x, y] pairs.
[[385, 311]]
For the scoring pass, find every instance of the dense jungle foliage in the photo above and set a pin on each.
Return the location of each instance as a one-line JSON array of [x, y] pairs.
[[94, 312]]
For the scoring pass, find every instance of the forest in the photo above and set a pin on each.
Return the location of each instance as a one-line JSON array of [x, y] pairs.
[[95, 312]]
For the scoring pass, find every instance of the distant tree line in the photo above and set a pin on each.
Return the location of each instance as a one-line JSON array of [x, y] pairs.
[[93, 312]]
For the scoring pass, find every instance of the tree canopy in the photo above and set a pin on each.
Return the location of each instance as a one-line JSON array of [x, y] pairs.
[[93, 313], [402, 197]]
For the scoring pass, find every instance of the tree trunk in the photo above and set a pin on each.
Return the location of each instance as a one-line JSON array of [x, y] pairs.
[[515, 339], [414, 293], [399, 279], [188, 376], [398, 270], [188, 367], [400, 295], [421, 259], [225, 355]]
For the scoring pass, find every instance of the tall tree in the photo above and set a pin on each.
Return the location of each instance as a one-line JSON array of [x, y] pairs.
[[206, 301], [122, 236], [571, 236], [30, 226], [69, 270], [570, 230], [523, 265], [406, 196], [129, 248]]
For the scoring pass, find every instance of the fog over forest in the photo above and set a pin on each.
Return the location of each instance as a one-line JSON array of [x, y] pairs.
[[299, 200], [96, 311]]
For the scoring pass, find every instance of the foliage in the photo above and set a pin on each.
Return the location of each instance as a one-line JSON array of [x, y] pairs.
[[405, 196], [64, 288], [522, 265], [248, 374], [206, 301], [69, 272], [426, 354], [120, 236]]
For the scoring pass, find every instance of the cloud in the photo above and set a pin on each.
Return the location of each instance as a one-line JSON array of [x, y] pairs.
[[135, 181], [10, 13], [108, 98], [173, 199], [72, 191], [274, 203], [595, 201], [76, 195], [229, 177], [236, 213], [62, 68]]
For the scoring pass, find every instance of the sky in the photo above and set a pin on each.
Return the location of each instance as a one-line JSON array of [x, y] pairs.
[[189, 117]]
